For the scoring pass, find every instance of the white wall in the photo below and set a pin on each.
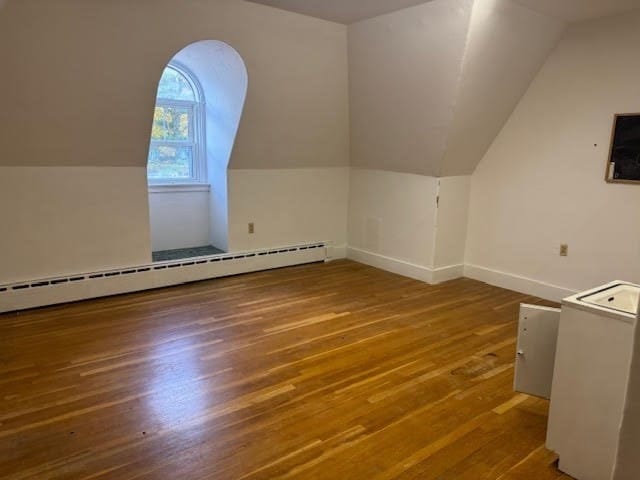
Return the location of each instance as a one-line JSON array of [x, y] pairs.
[[392, 219], [451, 227], [409, 224], [288, 207], [179, 219], [66, 220], [542, 181], [430, 87]]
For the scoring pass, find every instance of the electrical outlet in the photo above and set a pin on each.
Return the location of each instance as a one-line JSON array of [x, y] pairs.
[[251, 228], [564, 250]]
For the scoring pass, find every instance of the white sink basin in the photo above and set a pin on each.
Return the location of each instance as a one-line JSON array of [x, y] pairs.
[[619, 296], [618, 299]]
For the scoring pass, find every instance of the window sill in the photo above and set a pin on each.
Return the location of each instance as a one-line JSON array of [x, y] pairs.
[[180, 188]]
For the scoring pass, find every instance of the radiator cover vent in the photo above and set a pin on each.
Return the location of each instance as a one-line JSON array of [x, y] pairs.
[[49, 291]]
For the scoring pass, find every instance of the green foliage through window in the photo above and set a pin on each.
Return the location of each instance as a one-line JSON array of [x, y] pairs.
[[171, 123]]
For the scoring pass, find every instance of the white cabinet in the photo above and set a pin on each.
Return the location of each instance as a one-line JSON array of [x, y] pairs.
[[588, 393], [580, 357]]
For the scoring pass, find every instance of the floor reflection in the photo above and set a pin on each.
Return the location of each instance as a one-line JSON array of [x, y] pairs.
[[179, 391]]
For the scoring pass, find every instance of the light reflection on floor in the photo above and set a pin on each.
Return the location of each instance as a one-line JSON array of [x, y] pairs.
[[178, 394]]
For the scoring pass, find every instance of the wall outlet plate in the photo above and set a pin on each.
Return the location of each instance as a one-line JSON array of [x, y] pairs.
[[251, 228], [564, 250]]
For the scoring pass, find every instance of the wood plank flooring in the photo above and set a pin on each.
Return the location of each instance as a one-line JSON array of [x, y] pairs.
[[325, 371]]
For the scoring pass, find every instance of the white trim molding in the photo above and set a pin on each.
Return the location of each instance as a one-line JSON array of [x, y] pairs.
[[433, 276], [404, 268], [394, 265], [450, 272], [518, 283]]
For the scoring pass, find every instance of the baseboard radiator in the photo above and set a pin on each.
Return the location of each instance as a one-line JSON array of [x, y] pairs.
[[51, 291]]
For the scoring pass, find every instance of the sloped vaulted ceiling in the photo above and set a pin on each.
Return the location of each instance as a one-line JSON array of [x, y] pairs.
[[349, 11], [431, 86], [79, 77], [507, 44], [579, 10], [404, 71], [342, 11], [432, 83]]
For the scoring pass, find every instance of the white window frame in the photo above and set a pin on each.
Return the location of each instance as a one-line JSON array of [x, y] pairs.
[[197, 135]]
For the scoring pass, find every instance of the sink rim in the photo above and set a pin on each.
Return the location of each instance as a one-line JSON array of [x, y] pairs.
[[616, 285], [577, 301]]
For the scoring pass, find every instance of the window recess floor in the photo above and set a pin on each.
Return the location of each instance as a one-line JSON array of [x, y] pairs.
[[323, 371], [180, 253]]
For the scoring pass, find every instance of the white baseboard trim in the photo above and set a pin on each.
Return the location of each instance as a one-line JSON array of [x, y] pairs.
[[430, 275], [401, 267], [518, 283], [404, 268], [450, 272]]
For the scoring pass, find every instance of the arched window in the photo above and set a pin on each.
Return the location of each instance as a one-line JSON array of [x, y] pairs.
[[198, 109], [176, 152]]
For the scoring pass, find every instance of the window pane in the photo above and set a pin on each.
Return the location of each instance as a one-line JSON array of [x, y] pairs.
[[174, 86], [171, 123], [170, 162]]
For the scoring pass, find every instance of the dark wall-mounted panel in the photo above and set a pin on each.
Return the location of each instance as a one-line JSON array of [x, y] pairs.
[[623, 165]]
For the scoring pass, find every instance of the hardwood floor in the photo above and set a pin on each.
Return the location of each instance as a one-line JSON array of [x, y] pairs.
[[325, 371]]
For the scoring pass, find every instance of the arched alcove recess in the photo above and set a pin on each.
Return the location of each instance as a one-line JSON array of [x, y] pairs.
[[222, 75]]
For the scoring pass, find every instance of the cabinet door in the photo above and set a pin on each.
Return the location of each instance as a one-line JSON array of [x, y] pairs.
[[536, 352]]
